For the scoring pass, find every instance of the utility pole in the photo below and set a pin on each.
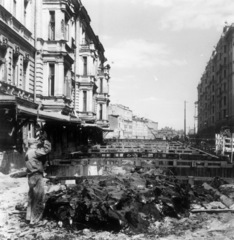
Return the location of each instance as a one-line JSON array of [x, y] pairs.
[[185, 118], [195, 118]]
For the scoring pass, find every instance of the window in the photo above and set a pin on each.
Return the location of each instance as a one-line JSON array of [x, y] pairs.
[[51, 80], [25, 67], [224, 101], [83, 38], [84, 101], [15, 71], [67, 83], [100, 111], [101, 85], [66, 30], [85, 67], [3, 66], [52, 26]]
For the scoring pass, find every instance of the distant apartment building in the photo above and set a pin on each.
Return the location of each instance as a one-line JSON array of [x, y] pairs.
[[120, 119], [141, 129], [216, 88], [53, 73], [125, 125]]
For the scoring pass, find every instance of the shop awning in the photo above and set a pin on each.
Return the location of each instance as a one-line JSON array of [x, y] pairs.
[[96, 126], [49, 116], [27, 109]]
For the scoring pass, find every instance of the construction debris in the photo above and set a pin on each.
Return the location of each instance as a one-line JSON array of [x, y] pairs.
[[126, 207], [121, 202], [133, 202]]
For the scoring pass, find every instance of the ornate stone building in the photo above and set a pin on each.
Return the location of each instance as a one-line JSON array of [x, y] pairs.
[[53, 73]]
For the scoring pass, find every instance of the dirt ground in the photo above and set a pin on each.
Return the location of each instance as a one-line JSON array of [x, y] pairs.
[[13, 191]]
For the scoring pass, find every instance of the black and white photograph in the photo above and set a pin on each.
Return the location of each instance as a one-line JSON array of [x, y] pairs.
[[116, 119]]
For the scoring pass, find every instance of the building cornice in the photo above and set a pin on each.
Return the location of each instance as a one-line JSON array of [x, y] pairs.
[[12, 28]]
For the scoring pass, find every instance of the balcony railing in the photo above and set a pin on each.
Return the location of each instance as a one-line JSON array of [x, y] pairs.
[[103, 122], [84, 48], [102, 97], [87, 116]]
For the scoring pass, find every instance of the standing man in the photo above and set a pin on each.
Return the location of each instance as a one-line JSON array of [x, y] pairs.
[[35, 160]]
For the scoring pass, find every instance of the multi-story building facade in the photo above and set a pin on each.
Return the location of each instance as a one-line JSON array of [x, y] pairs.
[[143, 128], [216, 88], [125, 125], [53, 73], [120, 118]]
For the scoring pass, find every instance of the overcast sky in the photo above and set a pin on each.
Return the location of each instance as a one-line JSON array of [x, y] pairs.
[[158, 50]]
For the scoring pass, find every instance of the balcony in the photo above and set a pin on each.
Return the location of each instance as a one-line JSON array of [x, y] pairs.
[[86, 48], [87, 82], [60, 47], [101, 73], [102, 97], [87, 116], [56, 104], [102, 123], [104, 71]]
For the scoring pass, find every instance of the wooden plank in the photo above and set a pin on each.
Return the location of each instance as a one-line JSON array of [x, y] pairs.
[[212, 210]]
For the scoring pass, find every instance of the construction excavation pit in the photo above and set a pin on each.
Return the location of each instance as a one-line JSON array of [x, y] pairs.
[[156, 190]]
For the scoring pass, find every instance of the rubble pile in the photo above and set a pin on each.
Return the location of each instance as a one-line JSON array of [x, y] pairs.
[[213, 197], [143, 205], [113, 203]]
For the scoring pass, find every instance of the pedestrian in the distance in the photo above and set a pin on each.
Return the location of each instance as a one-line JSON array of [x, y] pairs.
[[35, 160]]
